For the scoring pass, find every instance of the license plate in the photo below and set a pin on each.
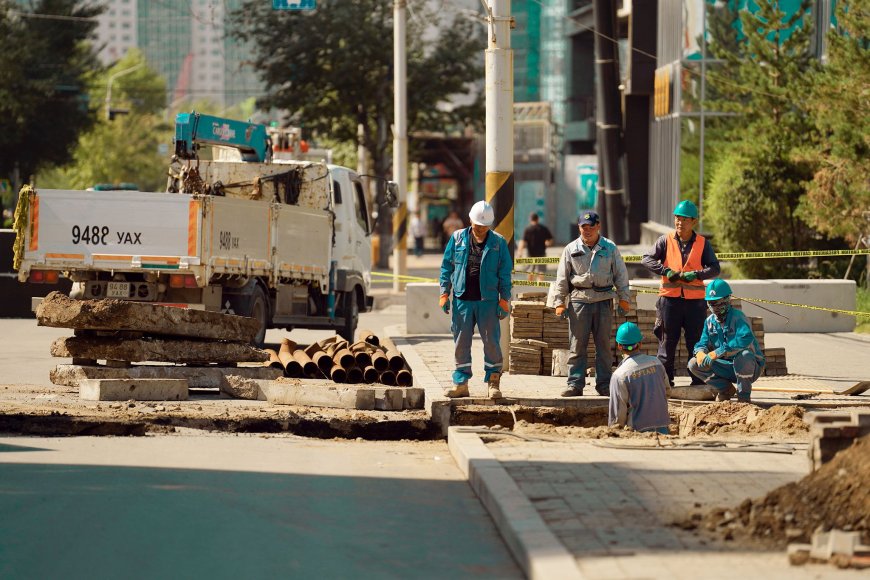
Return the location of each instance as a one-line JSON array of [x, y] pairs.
[[118, 290]]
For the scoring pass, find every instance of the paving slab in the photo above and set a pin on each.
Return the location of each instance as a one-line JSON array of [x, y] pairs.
[[133, 389], [156, 350], [319, 393], [209, 377]]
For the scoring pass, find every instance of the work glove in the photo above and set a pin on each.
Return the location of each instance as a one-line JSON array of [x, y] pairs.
[[444, 303], [689, 276], [671, 275], [699, 357], [707, 362], [504, 308], [560, 311], [623, 307]]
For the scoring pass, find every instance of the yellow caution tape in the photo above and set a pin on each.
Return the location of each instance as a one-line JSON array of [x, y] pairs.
[[730, 256], [856, 313], [403, 277]]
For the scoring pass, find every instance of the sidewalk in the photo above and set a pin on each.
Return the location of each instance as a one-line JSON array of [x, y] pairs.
[[584, 509]]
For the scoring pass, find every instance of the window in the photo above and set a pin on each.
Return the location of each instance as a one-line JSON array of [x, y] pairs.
[[362, 213], [336, 192]]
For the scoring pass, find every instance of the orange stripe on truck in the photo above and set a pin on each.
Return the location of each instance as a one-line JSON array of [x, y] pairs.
[[65, 256], [192, 217], [34, 223]]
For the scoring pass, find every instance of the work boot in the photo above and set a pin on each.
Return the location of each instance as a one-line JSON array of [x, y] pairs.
[[494, 382], [460, 390], [572, 392], [603, 391], [725, 394], [741, 398]]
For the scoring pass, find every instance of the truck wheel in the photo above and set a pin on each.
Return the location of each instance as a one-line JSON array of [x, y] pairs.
[[259, 310], [351, 316]]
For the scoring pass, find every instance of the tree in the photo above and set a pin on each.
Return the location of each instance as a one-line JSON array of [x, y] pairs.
[[839, 194], [43, 65], [134, 147], [331, 68], [759, 184]]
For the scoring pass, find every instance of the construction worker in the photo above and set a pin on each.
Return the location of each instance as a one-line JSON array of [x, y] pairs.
[[727, 352], [536, 239], [684, 260], [588, 270], [476, 269], [638, 387]]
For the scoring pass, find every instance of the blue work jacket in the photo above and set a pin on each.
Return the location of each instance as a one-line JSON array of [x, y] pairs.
[[495, 266], [729, 339]]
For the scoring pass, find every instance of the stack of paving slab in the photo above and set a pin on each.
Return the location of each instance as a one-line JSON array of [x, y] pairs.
[[834, 432], [531, 319]]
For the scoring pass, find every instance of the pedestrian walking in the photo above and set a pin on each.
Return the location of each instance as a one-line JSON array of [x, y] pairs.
[[727, 351], [418, 232], [590, 275], [638, 387], [450, 225], [683, 259], [476, 271], [536, 239]]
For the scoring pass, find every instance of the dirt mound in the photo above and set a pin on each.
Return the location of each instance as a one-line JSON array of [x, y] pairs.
[[836, 496], [574, 432], [731, 417]]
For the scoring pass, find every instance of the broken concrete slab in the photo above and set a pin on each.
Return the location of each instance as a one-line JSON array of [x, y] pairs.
[[239, 387], [60, 311], [415, 397], [318, 393], [197, 377], [133, 389], [389, 398], [156, 349]]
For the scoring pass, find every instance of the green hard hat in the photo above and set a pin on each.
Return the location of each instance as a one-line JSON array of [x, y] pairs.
[[716, 290], [686, 209], [628, 334]]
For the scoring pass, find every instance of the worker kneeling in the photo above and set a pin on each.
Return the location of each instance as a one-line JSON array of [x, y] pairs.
[[727, 351], [638, 387]]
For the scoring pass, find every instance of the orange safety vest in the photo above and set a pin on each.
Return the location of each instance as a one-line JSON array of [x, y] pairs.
[[693, 290]]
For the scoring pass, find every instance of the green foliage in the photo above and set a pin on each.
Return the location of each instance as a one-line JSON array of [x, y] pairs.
[[127, 148], [331, 68], [43, 67], [839, 195]]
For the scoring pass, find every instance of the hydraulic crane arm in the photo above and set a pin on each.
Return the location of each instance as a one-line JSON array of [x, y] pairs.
[[192, 130]]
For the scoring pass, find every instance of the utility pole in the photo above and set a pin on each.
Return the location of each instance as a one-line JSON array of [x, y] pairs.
[[500, 131], [400, 145]]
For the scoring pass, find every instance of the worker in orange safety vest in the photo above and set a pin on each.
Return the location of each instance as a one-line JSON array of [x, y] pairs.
[[683, 259]]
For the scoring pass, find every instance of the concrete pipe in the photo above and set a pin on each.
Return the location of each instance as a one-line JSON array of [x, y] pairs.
[[388, 378]]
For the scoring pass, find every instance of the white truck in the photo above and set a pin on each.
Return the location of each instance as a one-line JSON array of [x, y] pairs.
[[286, 242]]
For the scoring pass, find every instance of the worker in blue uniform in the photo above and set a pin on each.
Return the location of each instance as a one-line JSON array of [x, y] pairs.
[[476, 270], [727, 352], [638, 387], [683, 259]]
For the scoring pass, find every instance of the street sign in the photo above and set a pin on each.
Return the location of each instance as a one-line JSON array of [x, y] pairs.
[[294, 4]]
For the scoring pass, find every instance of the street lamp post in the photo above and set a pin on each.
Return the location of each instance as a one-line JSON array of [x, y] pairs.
[[112, 78], [400, 145]]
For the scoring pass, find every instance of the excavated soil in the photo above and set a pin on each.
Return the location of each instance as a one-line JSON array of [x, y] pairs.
[[741, 418], [575, 432]]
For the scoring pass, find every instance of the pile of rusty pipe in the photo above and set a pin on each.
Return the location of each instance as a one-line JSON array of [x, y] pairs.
[[366, 335], [292, 367], [404, 377], [380, 360], [320, 358], [362, 352], [397, 361], [370, 374], [309, 369], [388, 377], [354, 375], [338, 374], [273, 362]]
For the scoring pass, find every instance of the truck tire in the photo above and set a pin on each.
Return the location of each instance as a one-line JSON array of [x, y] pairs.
[[351, 316], [259, 309]]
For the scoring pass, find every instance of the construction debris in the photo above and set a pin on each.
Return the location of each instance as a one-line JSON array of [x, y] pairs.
[[156, 349], [834, 432], [843, 549], [133, 389]]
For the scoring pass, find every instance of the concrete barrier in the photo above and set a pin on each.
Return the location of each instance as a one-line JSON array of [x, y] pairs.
[[424, 317]]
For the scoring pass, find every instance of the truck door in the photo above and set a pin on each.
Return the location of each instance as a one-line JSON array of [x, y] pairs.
[[362, 230]]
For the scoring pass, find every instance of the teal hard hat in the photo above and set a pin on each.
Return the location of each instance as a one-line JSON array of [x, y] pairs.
[[628, 334], [686, 209], [716, 290]]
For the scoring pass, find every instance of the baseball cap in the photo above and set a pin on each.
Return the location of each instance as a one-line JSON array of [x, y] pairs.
[[588, 218]]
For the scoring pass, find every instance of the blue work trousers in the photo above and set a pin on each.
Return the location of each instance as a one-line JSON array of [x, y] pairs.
[[466, 315], [744, 370], [595, 318], [676, 316]]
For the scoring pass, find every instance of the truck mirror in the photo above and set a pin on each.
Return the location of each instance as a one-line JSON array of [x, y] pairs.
[[391, 195]]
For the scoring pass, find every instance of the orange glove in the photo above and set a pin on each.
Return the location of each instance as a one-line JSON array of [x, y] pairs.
[[444, 303], [623, 307], [560, 311], [699, 357], [504, 308]]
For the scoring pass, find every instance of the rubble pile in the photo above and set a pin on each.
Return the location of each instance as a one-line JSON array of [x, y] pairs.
[[532, 320]]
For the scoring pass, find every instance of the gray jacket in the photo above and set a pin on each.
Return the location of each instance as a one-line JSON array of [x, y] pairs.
[[591, 275]]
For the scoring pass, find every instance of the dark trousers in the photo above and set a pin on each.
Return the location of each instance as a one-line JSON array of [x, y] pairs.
[[673, 316]]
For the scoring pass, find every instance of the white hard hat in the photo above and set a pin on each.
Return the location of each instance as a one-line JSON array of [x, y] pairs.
[[481, 214]]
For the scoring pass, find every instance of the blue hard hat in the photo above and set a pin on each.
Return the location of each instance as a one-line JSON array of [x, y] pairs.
[[628, 334], [716, 290], [686, 209]]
